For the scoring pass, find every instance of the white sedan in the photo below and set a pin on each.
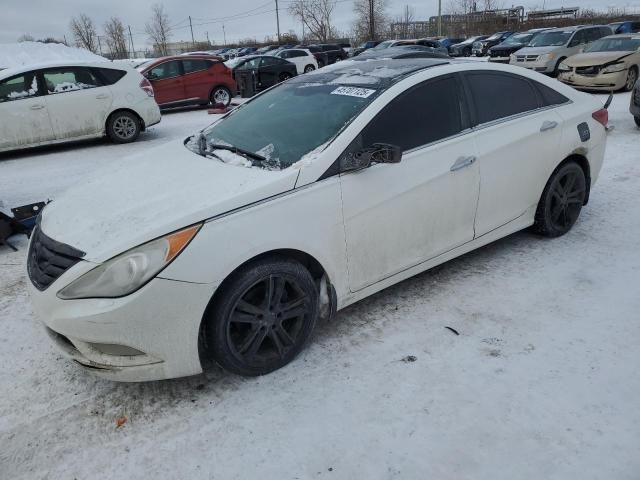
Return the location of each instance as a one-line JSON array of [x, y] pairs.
[[61, 102], [303, 59], [311, 196]]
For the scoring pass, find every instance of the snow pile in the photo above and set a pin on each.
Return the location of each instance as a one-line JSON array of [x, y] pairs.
[[27, 53]]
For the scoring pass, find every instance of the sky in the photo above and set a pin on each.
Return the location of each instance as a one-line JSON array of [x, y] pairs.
[[241, 18]]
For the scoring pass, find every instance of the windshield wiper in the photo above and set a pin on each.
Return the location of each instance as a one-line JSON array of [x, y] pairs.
[[237, 150]]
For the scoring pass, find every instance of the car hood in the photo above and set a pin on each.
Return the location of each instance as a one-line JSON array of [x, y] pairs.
[[149, 195], [536, 50], [595, 58], [513, 47]]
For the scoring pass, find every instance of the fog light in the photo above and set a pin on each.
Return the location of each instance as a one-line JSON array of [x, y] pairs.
[[116, 350]]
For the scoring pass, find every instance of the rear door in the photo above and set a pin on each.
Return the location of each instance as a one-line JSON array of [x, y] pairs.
[[77, 101], [24, 119], [197, 78], [517, 138], [167, 82]]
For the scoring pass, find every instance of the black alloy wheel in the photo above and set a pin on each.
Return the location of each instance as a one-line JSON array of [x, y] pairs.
[[263, 317], [561, 201]]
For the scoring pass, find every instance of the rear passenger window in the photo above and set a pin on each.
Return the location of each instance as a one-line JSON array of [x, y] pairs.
[[109, 76], [428, 112], [69, 79], [498, 95], [549, 96], [195, 65]]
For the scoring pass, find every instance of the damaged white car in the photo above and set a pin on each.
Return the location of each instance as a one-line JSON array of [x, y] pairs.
[[313, 195]]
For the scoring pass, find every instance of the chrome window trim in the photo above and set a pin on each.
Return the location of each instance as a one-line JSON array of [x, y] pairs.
[[498, 121]]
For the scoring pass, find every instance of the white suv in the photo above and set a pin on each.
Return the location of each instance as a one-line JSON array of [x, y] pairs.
[[303, 59], [60, 102]]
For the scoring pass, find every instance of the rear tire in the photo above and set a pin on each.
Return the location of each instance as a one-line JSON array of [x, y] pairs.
[[309, 68], [561, 201], [284, 76], [262, 317], [556, 69], [123, 127]]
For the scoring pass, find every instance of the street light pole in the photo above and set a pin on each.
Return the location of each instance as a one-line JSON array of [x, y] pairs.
[[439, 18], [278, 21]]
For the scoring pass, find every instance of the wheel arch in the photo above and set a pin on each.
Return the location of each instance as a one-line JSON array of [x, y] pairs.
[[317, 270], [580, 158], [143, 127]]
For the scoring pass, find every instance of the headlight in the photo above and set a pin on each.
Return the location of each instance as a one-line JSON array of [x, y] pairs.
[[615, 68], [512, 57], [129, 271], [563, 67]]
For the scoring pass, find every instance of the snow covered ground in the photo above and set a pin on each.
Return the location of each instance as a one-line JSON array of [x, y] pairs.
[[541, 383]]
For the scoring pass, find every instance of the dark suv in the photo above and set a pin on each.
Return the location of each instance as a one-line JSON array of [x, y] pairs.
[[334, 52]]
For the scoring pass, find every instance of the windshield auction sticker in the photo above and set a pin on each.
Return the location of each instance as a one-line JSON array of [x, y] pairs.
[[353, 92]]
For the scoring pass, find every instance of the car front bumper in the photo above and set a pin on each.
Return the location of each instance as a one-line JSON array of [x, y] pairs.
[[535, 65], [601, 81], [500, 59], [151, 334]]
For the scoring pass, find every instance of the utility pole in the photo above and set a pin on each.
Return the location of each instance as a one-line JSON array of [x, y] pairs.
[[224, 35], [208, 41], [439, 18], [133, 50], [65, 41], [278, 21], [372, 21], [193, 42]]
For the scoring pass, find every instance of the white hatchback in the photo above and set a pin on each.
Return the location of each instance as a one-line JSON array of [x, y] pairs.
[[311, 196], [303, 59], [60, 102]]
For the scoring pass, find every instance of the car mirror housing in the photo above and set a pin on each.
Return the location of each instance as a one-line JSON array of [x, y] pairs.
[[376, 153]]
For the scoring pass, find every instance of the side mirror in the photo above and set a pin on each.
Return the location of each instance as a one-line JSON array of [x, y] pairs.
[[376, 153]]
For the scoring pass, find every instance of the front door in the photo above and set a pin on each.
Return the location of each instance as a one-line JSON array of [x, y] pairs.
[[167, 81], [399, 215], [78, 103], [24, 119], [268, 71]]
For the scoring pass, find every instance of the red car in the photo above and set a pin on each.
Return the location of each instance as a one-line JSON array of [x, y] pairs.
[[189, 80]]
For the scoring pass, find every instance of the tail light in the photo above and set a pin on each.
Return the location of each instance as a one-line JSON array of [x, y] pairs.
[[146, 86], [601, 116]]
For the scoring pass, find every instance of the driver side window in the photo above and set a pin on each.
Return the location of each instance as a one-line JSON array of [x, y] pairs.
[[428, 112], [165, 70]]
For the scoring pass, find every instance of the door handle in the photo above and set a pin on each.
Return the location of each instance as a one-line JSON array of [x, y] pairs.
[[37, 106], [548, 125], [102, 96], [463, 162]]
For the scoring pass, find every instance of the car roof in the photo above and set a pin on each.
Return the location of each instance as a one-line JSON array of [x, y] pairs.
[[380, 73], [17, 70], [402, 51]]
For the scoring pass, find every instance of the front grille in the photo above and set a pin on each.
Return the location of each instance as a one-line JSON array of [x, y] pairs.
[[587, 70], [49, 259], [526, 58]]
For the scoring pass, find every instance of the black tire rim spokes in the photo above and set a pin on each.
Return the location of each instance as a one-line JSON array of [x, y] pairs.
[[567, 197], [267, 319]]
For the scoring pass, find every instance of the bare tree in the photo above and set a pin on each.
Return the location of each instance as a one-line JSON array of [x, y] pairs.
[[158, 28], [26, 38], [116, 38], [371, 19], [84, 32], [315, 15]]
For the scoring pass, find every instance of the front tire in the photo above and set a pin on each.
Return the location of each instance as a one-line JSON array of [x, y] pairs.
[[284, 76], [561, 201], [632, 76], [262, 317], [123, 127], [637, 120], [220, 95]]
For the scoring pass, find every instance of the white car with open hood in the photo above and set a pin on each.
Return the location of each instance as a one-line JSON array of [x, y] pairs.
[[60, 102], [311, 196]]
